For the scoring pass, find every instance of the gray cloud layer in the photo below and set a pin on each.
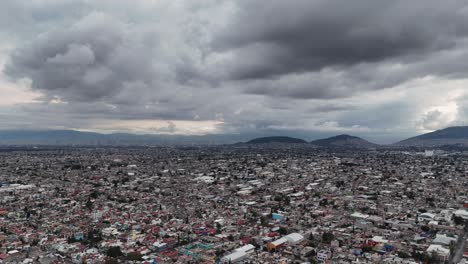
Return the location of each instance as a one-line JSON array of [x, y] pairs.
[[284, 37], [96, 58], [283, 65]]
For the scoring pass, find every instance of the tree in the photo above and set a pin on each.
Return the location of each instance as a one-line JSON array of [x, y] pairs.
[[115, 182], [254, 243], [114, 252], [89, 204], [425, 228], [35, 242], [219, 252], [94, 194], [135, 256], [282, 231], [110, 260], [458, 220], [93, 236], [327, 237], [323, 202], [426, 258], [366, 248], [254, 213], [403, 254], [71, 240]]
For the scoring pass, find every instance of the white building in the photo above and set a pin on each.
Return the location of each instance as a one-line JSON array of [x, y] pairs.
[[294, 238], [234, 257], [426, 217], [323, 255], [249, 249], [442, 239], [461, 213], [439, 250]]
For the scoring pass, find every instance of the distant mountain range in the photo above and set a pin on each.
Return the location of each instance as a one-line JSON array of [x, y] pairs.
[[452, 136], [72, 137], [278, 139], [447, 136]]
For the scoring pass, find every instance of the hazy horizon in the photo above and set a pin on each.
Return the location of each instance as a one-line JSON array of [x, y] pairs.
[[229, 138]]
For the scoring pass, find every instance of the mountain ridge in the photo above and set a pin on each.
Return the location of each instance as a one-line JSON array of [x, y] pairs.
[[344, 141], [456, 135]]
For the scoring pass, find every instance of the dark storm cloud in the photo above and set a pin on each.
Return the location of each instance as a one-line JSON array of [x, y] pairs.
[[301, 49], [322, 84], [93, 59], [281, 37], [254, 65]]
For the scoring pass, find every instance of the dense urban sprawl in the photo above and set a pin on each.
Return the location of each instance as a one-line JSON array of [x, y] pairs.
[[232, 204]]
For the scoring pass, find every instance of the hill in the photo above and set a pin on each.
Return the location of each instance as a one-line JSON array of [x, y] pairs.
[[277, 139], [448, 136], [344, 141]]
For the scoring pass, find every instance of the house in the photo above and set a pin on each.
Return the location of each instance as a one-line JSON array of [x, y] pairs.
[[379, 240], [276, 216], [234, 257], [426, 217], [276, 244], [443, 239], [249, 248], [461, 213], [294, 238], [440, 251], [3, 257], [323, 256]]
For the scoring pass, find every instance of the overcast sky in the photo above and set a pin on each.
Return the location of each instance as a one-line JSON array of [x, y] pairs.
[[380, 69]]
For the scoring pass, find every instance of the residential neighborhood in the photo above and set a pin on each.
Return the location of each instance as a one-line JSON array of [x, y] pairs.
[[242, 204]]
